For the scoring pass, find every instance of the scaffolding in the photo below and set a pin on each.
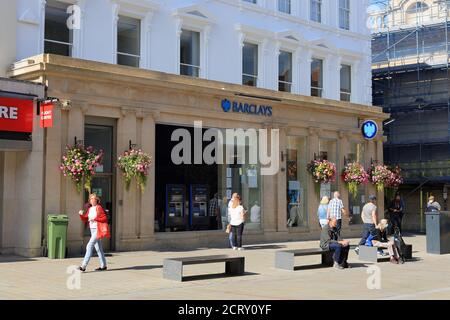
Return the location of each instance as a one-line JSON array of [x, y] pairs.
[[410, 66]]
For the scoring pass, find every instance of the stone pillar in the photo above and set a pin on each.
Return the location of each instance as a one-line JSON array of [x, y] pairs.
[[343, 151], [281, 185], [269, 195], [380, 195], [313, 196], [74, 200], [147, 199], [127, 209]]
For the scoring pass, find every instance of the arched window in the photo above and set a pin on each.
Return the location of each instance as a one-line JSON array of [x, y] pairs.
[[416, 12]]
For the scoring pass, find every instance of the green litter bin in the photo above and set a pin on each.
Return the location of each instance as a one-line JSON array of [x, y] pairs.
[[57, 236]]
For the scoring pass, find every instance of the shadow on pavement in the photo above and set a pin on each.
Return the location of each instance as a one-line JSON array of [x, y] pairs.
[[150, 267], [216, 276], [320, 266], [8, 259], [264, 247]]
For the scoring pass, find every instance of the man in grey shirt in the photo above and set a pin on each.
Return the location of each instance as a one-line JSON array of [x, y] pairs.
[[369, 218]]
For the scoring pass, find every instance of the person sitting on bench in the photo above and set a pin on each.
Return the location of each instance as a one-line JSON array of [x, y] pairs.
[[380, 240], [331, 240]]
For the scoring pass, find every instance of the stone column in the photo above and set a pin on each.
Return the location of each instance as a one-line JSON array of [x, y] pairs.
[[379, 156], [313, 197], [147, 199], [281, 185], [127, 200], [74, 199], [343, 151], [269, 195]]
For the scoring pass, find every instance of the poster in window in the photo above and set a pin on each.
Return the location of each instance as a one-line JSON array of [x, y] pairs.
[[252, 178], [292, 167]]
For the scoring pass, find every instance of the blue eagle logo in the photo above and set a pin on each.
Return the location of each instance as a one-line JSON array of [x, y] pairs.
[[226, 105], [370, 129]]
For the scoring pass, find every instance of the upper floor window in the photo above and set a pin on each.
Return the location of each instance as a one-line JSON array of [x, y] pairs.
[[190, 53], [285, 71], [316, 10], [128, 41], [250, 64], [251, 1], [344, 14], [58, 38], [316, 77], [346, 82], [284, 6]]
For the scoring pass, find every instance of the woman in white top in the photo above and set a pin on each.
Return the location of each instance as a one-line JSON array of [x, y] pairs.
[[236, 213], [96, 216]]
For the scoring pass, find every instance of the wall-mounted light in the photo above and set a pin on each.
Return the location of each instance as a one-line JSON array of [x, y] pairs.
[[132, 145], [78, 142]]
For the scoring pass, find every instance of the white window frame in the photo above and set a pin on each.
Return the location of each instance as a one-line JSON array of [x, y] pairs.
[[348, 13], [139, 56], [321, 11], [261, 38], [257, 77], [343, 63], [185, 20], [199, 67], [322, 90], [145, 14], [77, 34], [285, 3], [292, 71]]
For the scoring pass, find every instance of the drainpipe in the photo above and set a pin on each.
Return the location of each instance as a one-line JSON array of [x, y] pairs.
[[43, 233]]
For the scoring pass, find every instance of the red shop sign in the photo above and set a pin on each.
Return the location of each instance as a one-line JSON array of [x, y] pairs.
[[46, 113], [16, 115]]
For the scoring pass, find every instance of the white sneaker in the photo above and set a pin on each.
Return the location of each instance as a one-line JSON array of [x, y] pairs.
[[234, 248], [240, 249]]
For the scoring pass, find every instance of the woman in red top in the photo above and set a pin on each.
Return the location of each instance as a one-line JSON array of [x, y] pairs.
[[98, 223]]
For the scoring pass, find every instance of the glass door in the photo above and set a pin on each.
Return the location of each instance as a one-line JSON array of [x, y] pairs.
[[101, 137]]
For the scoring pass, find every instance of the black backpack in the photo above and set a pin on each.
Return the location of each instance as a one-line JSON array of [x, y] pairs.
[[400, 244]]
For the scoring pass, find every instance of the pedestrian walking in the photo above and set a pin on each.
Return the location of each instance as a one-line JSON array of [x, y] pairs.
[[98, 224], [336, 210]]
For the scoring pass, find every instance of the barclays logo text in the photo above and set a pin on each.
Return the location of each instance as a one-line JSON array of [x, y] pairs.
[[246, 108]]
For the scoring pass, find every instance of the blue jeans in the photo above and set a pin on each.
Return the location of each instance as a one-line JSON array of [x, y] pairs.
[[340, 254], [97, 244], [368, 228], [230, 239]]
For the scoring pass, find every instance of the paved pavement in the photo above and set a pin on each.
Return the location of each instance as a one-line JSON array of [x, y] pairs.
[[138, 275]]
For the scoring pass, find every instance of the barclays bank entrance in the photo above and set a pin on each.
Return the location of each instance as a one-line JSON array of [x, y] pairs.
[[185, 201]]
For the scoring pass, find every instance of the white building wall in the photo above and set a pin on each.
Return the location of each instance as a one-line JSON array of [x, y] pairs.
[[7, 35], [228, 23]]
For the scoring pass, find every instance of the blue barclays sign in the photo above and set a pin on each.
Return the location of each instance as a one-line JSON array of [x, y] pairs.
[[246, 108], [369, 129]]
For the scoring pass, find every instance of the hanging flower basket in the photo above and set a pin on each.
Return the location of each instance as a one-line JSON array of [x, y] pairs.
[[79, 164], [380, 175], [322, 171], [354, 175], [395, 179], [135, 164]]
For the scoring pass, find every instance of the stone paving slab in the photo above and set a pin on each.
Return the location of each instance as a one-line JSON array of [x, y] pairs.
[[138, 275]]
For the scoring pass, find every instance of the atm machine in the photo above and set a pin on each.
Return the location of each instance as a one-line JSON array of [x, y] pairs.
[[198, 207], [175, 214]]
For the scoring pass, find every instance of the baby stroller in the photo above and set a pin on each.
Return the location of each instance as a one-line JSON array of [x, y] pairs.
[[400, 244]]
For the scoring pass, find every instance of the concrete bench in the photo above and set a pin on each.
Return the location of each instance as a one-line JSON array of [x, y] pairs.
[[173, 268], [370, 254], [285, 259]]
